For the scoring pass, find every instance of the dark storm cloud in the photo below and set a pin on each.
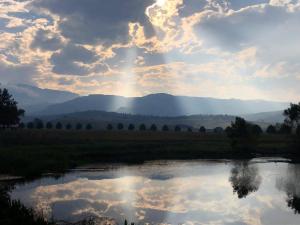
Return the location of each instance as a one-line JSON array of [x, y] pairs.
[[66, 61], [45, 40], [93, 21]]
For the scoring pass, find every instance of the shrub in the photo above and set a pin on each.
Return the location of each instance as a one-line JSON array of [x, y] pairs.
[[271, 129], [58, 126], [131, 127], [68, 126], [30, 125], [143, 127], [120, 126], [78, 126], [177, 128], [109, 127], [153, 127], [49, 125], [89, 127], [202, 130], [165, 128]]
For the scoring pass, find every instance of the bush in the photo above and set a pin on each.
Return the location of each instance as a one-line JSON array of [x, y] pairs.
[[298, 130], [153, 127], [109, 127], [58, 126], [285, 129], [39, 124], [143, 127], [120, 126], [49, 125], [271, 129], [68, 126], [131, 127], [256, 130], [89, 127], [30, 125], [218, 130], [165, 128], [177, 128], [202, 130]]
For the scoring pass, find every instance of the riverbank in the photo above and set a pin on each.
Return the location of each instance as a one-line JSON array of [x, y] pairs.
[[30, 153]]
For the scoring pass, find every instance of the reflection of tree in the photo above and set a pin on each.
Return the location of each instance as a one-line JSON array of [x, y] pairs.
[[291, 185], [244, 179]]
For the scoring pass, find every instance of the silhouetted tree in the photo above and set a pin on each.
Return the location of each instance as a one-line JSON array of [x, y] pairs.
[[244, 179], [131, 127], [30, 125], [242, 134], [165, 128], [285, 129], [120, 126], [38, 124], [218, 130], [153, 127], [22, 126], [177, 128], [190, 129], [9, 112], [256, 130], [202, 130], [68, 126], [109, 127], [58, 126], [292, 115], [271, 129], [298, 130], [78, 126], [89, 126], [49, 125], [143, 127]]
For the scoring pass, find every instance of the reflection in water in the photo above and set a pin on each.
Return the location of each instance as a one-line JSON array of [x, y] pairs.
[[173, 192], [244, 179], [291, 185]]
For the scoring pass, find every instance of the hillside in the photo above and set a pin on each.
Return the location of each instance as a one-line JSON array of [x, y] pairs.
[[163, 105]]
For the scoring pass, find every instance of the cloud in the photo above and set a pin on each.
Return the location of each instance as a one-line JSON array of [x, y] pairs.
[[46, 40], [96, 21]]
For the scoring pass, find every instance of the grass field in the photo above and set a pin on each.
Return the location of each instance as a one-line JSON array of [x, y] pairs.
[[32, 152]]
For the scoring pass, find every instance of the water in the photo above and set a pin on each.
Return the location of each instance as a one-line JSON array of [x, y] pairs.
[[173, 192]]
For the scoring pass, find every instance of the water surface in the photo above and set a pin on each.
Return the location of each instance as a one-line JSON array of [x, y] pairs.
[[173, 192]]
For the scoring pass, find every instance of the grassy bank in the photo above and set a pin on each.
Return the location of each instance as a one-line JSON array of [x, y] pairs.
[[32, 152]]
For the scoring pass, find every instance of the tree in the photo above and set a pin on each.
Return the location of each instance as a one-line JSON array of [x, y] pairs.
[[285, 129], [120, 126], [218, 130], [298, 130], [30, 125], [292, 115], [177, 128], [153, 127], [165, 128], [38, 123], [9, 112], [202, 130], [58, 126], [22, 126], [49, 125], [143, 127], [109, 127], [131, 127], [68, 126], [256, 130], [190, 129], [271, 129], [78, 126], [89, 127]]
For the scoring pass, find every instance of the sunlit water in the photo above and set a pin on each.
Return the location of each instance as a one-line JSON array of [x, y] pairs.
[[173, 192]]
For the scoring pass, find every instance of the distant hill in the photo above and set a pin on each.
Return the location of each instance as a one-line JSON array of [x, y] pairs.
[[163, 105], [266, 117], [35, 99]]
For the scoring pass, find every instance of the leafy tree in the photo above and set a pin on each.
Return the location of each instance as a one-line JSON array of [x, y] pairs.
[[143, 127], [120, 126], [49, 125], [9, 112], [78, 126], [177, 128], [68, 126], [271, 129], [89, 127], [292, 115], [202, 130], [165, 128], [190, 129], [285, 129], [153, 127], [39, 124], [109, 127], [298, 130], [22, 126], [30, 125], [131, 127], [58, 126], [218, 130], [243, 134]]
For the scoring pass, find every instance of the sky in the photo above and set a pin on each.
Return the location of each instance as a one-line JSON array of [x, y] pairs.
[[246, 49]]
